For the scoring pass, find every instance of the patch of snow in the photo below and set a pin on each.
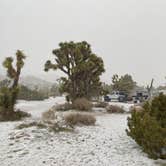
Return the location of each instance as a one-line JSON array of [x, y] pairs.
[[105, 144], [36, 108]]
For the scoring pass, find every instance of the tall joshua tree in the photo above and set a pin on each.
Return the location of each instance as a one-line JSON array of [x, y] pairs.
[[82, 67], [14, 74]]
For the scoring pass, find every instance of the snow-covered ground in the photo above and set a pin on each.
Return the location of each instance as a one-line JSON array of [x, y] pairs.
[[105, 144]]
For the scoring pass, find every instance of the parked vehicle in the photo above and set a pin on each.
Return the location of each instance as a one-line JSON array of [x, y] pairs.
[[116, 96], [140, 97]]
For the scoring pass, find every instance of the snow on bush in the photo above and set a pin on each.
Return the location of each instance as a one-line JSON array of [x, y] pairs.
[[80, 119], [100, 104], [114, 109], [82, 104]]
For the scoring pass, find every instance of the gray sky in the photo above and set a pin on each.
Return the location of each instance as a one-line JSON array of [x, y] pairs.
[[130, 35]]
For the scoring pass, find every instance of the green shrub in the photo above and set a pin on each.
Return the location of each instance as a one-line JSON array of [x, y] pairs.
[[5, 100], [7, 112], [80, 119], [114, 109], [148, 127], [82, 104], [13, 115]]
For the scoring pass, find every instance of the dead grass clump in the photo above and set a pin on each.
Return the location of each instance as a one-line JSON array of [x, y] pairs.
[[49, 125], [48, 115], [101, 104], [80, 119], [31, 124], [82, 104], [114, 109], [136, 108], [62, 107]]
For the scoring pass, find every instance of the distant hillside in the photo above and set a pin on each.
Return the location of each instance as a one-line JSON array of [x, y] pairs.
[[32, 82]]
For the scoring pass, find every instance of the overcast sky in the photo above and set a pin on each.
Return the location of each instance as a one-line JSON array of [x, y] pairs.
[[130, 35]]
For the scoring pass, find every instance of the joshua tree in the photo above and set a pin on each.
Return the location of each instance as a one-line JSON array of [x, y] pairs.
[[8, 95], [82, 67]]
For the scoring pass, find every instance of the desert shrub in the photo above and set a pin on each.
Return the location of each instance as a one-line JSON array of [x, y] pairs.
[[13, 115], [148, 127], [80, 119], [48, 115], [82, 104], [63, 107], [51, 126], [101, 104], [6, 100], [114, 109], [136, 108], [30, 124]]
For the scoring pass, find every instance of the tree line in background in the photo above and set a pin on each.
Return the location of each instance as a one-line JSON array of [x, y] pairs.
[[26, 93]]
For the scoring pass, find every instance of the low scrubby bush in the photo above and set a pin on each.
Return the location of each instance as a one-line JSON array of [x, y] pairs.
[[114, 109], [148, 127], [136, 108], [82, 104], [80, 119], [101, 104], [63, 107], [13, 115], [48, 115], [30, 124]]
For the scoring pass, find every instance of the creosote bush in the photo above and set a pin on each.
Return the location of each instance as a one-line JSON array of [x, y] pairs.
[[136, 108], [63, 107], [82, 104], [49, 125], [48, 115], [101, 104], [114, 109], [148, 127], [80, 119]]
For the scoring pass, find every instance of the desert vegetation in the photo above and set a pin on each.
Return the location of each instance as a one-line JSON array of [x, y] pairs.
[[148, 127], [75, 118], [83, 91], [9, 94], [114, 109], [82, 67]]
